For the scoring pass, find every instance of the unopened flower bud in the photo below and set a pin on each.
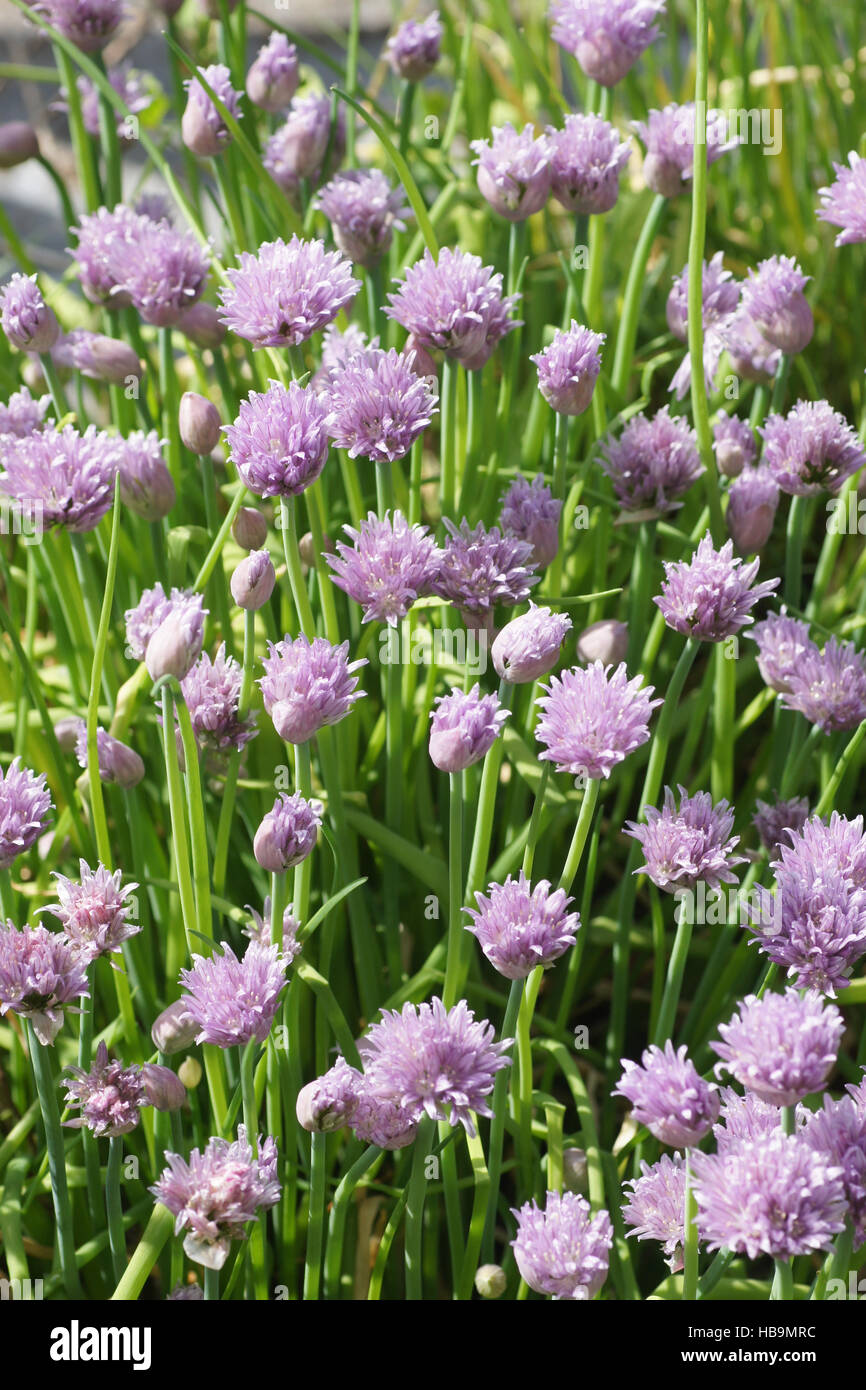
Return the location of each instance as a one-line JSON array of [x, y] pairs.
[[99, 357], [733, 445], [250, 529], [18, 142], [273, 78], [287, 833], [164, 1090], [752, 503], [605, 641], [327, 1103], [419, 358], [173, 648], [26, 319], [174, 1030], [253, 581], [190, 1072], [202, 323], [199, 423], [307, 549], [574, 1170], [121, 765], [67, 731], [527, 648], [490, 1281]]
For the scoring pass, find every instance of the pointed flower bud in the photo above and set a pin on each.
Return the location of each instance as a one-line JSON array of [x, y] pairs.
[[199, 423]]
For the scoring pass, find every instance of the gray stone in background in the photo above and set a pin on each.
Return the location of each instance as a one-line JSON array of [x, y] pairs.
[[27, 193]]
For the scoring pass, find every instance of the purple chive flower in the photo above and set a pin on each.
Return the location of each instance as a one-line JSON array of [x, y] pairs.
[[774, 1196], [655, 1209], [364, 212], [773, 298], [387, 567], [279, 442], [378, 407], [94, 911], [527, 648], [669, 1096], [40, 971], [519, 927], [117, 762], [88, 23], [286, 292], [773, 822], [23, 414], [234, 1001], [743, 1119], [812, 449], [24, 805], [606, 36], [68, 477], [531, 512], [829, 687], [151, 611], [480, 568], [212, 692], [586, 159], [25, 318], [710, 596], [816, 925], [298, 149], [782, 1047], [562, 1250], [669, 137], [259, 930], [464, 726], [454, 305], [415, 49], [126, 258], [568, 368], [328, 1103], [214, 1194], [287, 834], [605, 641], [782, 642], [838, 1133], [843, 203], [654, 461], [720, 296], [513, 171], [272, 79], [753, 499], [203, 128], [146, 486], [592, 718], [734, 445], [110, 1096], [307, 685], [752, 357], [176, 643], [129, 86], [431, 1060], [687, 844]]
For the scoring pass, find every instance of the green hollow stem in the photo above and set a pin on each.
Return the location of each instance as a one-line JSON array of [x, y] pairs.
[[581, 832], [82, 142], [337, 1221], [455, 891], [497, 1124], [783, 1279], [649, 795], [535, 821], [794, 551], [627, 336], [45, 1089], [227, 805], [560, 455], [697, 239], [113, 1209], [288, 527], [673, 983], [407, 105], [724, 700], [416, 1196], [251, 1123], [447, 439], [829, 793], [486, 806], [316, 1221], [522, 1084], [197, 823], [690, 1245], [55, 386], [145, 1255], [211, 1285]]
